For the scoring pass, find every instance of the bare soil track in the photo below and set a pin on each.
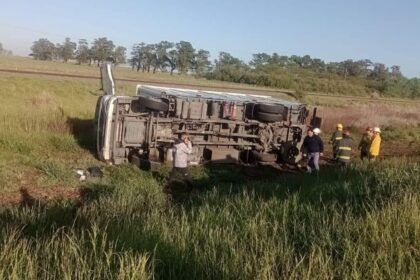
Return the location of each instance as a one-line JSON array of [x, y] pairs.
[[28, 196]]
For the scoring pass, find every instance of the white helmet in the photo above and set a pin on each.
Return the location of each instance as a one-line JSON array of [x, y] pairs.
[[377, 129], [317, 131]]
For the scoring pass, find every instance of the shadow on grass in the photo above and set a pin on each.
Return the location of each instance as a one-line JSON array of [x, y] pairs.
[[41, 220], [170, 260], [83, 132], [130, 233], [48, 209], [333, 185]]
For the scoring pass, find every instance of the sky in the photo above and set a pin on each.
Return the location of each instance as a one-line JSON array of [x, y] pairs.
[[381, 30]]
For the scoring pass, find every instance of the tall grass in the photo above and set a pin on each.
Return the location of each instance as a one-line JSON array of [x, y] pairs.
[[246, 223], [360, 223], [68, 254]]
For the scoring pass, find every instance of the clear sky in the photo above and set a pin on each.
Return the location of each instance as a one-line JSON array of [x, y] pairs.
[[380, 30]]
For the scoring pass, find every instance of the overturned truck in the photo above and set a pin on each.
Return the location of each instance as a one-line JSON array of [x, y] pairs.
[[223, 126]]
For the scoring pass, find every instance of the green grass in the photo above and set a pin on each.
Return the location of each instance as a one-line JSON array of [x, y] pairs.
[[407, 133], [245, 223], [44, 120], [360, 223]]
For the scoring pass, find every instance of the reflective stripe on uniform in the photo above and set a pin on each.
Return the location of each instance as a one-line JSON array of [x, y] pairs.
[[344, 157], [345, 148], [338, 138]]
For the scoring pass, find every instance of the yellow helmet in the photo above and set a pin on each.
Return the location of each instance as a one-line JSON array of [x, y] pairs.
[[339, 125]]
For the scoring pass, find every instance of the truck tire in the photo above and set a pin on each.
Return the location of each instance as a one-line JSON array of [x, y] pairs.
[[291, 154], [270, 108], [267, 117], [153, 104]]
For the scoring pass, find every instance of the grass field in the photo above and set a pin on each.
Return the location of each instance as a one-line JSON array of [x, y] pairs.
[[245, 223], [29, 64], [126, 76]]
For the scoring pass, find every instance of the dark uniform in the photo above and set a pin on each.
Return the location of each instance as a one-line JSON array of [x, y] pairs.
[[344, 147], [364, 145], [335, 138], [312, 146]]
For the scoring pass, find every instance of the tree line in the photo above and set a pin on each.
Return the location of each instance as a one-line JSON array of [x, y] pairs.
[[300, 73], [100, 50], [167, 56], [304, 73]]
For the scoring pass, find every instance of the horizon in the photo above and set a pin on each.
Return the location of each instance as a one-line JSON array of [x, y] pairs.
[[350, 31]]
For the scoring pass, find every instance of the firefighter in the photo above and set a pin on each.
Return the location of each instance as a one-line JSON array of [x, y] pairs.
[[344, 149], [375, 145], [364, 144], [335, 137], [313, 148]]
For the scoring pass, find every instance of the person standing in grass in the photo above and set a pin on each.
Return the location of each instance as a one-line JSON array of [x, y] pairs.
[[364, 144], [344, 148], [179, 180], [313, 148], [335, 138], [375, 145]]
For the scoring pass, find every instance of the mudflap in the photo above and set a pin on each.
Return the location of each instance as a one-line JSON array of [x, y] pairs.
[[145, 164]]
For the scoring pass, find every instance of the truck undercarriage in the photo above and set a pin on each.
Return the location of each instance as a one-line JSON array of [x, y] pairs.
[[223, 127]]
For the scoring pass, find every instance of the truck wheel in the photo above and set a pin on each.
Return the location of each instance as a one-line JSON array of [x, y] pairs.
[[153, 104], [292, 154], [289, 153], [270, 108], [267, 117]]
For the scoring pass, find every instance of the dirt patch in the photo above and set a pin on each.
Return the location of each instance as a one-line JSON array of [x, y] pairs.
[[29, 195], [393, 149], [362, 116], [388, 149], [43, 100], [29, 177]]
